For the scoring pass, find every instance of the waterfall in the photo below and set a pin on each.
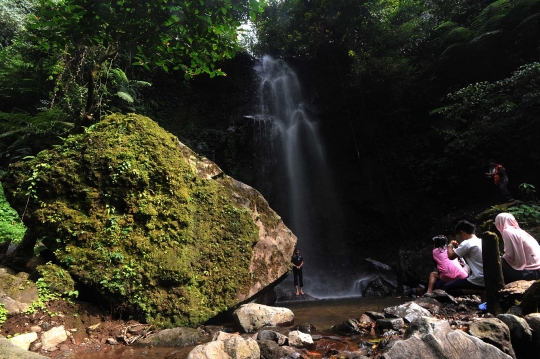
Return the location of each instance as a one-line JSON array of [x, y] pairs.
[[297, 181]]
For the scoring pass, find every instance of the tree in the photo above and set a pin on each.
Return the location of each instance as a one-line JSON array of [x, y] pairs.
[[190, 35]]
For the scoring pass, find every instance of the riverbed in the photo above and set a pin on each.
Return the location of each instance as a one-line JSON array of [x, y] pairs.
[[322, 314]]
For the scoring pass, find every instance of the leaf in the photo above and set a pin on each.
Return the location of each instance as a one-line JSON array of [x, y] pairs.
[[125, 96]]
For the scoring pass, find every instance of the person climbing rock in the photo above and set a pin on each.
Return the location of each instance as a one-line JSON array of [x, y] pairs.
[[500, 178], [298, 262]]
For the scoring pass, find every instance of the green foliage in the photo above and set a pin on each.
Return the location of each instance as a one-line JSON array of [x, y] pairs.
[[23, 135], [12, 18], [528, 215], [11, 228], [3, 314], [529, 190], [125, 92], [190, 36], [126, 215], [57, 279]]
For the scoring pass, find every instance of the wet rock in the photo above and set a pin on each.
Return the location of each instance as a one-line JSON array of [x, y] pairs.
[[271, 350], [389, 339], [440, 341], [533, 320], [515, 310], [352, 326], [10, 351], [51, 338], [364, 318], [374, 315], [175, 337], [441, 296], [520, 333], [280, 339], [390, 324], [251, 317], [493, 331], [300, 340], [379, 287], [431, 304], [23, 341], [408, 311], [306, 328], [236, 347], [112, 341]]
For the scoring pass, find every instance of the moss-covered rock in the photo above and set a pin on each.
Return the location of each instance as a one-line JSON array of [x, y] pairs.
[[131, 212], [57, 280]]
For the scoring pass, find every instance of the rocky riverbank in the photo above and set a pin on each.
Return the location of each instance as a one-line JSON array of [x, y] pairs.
[[428, 327]]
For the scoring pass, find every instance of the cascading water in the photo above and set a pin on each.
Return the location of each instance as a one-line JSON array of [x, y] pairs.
[[297, 181]]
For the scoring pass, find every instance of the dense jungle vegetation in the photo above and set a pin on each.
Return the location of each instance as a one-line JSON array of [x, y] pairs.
[[413, 97]]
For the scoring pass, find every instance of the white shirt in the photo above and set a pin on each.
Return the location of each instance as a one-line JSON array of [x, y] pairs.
[[471, 251]]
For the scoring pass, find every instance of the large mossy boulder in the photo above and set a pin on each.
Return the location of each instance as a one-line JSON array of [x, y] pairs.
[[151, 226]]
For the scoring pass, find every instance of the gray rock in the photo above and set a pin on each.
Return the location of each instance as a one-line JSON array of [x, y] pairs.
[[280, 339], [236, 347], [10, 351], [175, 337], [51, 338], [374, 315], [252, 317], [515, 310], [390, 323], [441, 296], [23, 341], [408, 311], [17, 292], [520, 332], [431, 304], [271, 350], [495, 332], [441, 342], [533, 320], [352, 326], [300, 340]]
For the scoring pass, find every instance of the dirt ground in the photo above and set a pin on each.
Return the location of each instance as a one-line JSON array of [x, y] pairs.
[[90, 327]]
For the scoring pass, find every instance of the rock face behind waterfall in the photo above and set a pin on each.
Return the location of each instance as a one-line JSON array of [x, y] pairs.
[[148, 224]]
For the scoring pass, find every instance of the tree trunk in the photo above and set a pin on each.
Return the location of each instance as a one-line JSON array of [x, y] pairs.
[[492, 271]]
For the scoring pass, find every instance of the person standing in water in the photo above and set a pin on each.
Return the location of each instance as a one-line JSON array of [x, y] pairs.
[[298, 262]]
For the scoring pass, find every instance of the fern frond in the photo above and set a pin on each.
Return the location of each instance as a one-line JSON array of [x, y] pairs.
[[125, 96]]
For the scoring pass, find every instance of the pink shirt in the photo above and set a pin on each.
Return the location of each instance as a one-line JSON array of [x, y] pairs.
[[449, 270], [521, 250]]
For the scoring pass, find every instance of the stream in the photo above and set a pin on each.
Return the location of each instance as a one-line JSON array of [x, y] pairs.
[[322, 314]]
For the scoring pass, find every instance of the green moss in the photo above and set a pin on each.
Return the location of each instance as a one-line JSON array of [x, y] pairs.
[[127, 215], [57, 279]]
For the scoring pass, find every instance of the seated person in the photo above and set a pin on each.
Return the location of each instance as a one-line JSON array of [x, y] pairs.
[[521, 258], [470, 250], [447, 269]]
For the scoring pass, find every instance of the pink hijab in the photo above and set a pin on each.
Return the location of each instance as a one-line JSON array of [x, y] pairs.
[[521, 250]]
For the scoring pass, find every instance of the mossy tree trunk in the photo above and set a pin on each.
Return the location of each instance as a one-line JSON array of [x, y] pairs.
[[492, 271]]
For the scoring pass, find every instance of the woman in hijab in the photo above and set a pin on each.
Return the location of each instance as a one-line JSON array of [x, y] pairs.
[[521, 258]]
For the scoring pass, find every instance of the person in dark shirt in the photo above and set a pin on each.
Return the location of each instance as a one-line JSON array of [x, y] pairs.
[[500, 178], [298, 262]]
